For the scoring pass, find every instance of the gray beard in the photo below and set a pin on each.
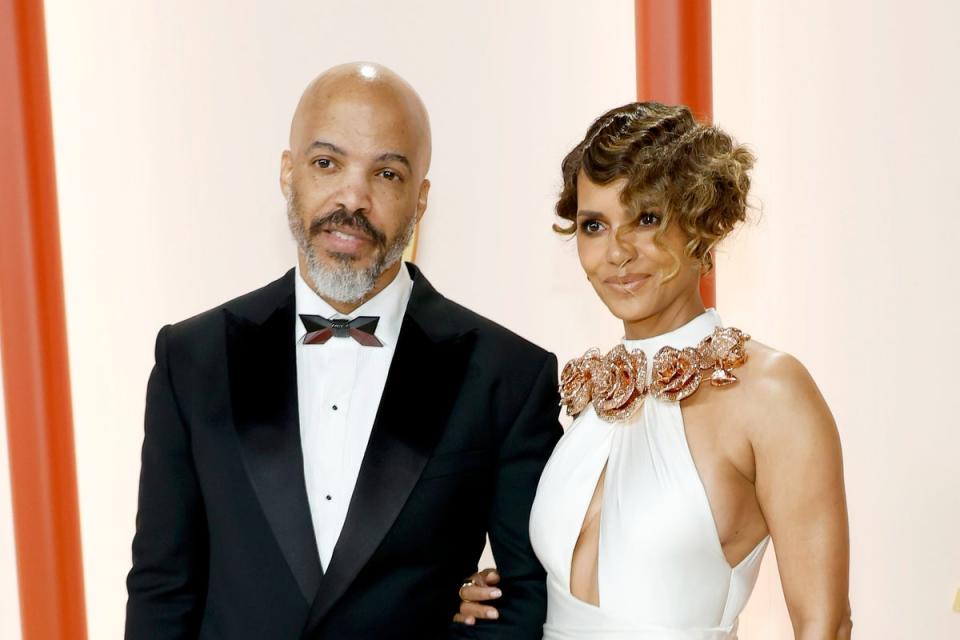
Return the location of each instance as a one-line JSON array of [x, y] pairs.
[[341, 281]]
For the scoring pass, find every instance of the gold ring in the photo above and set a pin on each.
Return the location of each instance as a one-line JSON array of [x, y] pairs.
[[466, 583]]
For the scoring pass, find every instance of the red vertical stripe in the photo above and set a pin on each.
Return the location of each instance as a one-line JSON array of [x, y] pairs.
[[34, 346], [674, 66]]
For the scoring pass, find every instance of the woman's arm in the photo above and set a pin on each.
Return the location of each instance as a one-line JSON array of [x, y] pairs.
[[800, 488]]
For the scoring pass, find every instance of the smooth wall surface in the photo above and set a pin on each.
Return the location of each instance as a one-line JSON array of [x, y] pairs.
[[850, 108], [170, 118]]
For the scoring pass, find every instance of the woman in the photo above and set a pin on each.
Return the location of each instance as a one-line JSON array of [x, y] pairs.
[[693, 445]]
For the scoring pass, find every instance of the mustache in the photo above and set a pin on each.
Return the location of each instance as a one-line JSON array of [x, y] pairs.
[[342, 218]]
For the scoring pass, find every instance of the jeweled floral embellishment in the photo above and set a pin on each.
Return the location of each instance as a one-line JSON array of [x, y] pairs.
[[616, 384], [575, 382], [619, 383], [676, 373], [722, 351]]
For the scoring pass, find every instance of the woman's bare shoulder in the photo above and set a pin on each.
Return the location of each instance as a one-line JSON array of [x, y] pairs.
[[775, 371], [782, 394]]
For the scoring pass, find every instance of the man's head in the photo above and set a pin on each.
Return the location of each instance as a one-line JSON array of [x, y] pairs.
[[355, 179]]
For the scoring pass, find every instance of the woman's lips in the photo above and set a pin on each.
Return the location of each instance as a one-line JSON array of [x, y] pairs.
[[628, 283]]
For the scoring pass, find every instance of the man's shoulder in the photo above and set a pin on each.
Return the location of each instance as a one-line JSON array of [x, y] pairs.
[[493, 338], [253, 306]]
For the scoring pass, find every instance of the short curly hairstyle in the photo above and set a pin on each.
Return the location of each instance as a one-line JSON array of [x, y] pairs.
[[693, 174]]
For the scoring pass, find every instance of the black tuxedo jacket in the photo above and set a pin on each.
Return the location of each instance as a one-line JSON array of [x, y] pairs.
[[224, 546]]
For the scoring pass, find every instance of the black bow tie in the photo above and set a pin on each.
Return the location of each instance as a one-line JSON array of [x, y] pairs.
[[361, 329]]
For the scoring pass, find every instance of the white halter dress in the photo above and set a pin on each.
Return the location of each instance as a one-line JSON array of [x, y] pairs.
[[662, 571]]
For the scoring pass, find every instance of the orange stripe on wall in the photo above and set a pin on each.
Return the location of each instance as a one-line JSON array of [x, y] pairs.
[[33, 339], [674, 66]]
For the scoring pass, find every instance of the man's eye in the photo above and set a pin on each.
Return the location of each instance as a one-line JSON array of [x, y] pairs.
[[648, 219], [390, 174], [323, 163]]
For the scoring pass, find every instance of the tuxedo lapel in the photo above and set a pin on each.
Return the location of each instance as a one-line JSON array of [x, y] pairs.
[[423, 382], [263, 388]]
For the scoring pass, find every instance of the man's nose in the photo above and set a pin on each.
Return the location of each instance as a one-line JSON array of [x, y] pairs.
[[353, 194]]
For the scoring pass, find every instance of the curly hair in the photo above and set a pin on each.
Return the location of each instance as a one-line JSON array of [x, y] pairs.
[[694, 175]]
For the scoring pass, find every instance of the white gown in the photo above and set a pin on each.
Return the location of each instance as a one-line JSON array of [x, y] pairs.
[[662, 572]]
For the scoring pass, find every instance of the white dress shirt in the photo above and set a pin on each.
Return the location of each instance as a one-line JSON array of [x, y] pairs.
[[339, 385]]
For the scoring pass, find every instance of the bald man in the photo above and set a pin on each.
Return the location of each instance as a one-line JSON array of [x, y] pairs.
[[315, 451]]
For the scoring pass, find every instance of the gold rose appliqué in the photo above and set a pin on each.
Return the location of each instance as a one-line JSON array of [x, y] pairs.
[[616, 384]]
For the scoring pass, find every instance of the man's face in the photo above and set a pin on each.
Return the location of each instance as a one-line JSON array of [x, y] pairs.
[[354, 181]]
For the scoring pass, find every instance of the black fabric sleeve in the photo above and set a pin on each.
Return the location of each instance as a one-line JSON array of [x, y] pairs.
[[167, 584], [523, 453]]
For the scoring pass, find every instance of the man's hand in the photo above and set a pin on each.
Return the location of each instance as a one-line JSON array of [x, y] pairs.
[[480, 587]]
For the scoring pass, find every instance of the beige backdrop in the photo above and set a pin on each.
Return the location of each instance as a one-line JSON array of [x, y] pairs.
[[170, 117], [850, 107]]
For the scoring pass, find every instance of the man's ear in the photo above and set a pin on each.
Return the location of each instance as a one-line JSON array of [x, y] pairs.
[[422, 198], [286, 174]]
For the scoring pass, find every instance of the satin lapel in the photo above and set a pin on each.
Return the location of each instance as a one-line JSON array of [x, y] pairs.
[[263, 388], [426, 374]]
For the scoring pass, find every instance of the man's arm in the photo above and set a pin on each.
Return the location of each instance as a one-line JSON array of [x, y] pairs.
[[522, 456], [167, 583]]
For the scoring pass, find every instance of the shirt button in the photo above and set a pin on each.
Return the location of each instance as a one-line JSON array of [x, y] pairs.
[[329, 497], [334, 407]]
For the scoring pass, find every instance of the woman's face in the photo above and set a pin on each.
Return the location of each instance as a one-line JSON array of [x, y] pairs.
[[627, 268]]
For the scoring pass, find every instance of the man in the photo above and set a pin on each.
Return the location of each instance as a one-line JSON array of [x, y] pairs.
[[315, 450]]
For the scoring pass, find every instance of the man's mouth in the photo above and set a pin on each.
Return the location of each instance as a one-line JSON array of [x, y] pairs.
[[343, 239]]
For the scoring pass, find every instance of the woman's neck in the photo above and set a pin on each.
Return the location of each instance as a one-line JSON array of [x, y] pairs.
[[675, 315]]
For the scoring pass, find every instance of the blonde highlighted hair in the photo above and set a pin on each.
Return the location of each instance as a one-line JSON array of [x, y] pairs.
[[694, 175]]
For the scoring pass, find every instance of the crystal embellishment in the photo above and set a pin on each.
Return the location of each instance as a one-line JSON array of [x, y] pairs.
[[616, 384]]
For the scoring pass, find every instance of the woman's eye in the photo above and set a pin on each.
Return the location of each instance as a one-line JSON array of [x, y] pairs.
[[648, 219], [591, 226], [323, 163]]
